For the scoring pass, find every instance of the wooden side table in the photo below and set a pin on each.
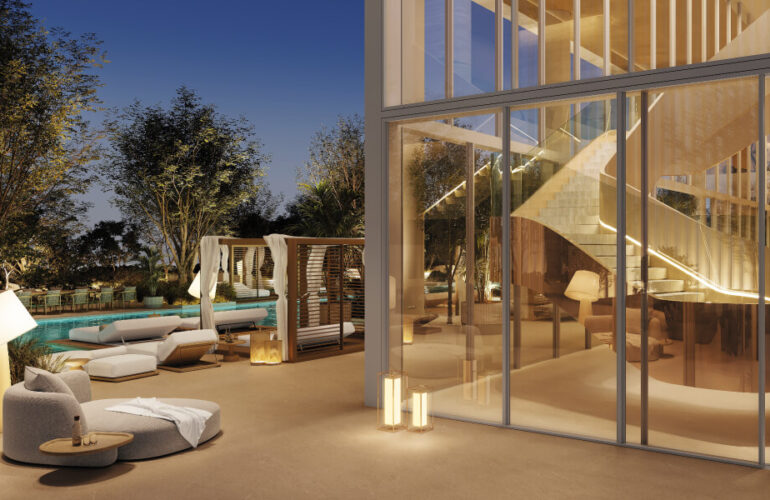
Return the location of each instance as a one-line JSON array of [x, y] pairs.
[[104, 441], [230, 355]]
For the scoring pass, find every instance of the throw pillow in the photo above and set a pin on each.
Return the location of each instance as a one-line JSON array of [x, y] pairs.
[[36, 379]]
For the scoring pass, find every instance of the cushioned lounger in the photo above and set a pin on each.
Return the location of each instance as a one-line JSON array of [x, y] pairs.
[[239, 317], [323, 333], [180, 351], [127, 329]]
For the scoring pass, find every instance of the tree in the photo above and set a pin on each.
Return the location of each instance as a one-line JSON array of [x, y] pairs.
[[182, 171], [257, 216], [45, 144], [325, 213], [434, 170], [337, 163], [111, 244]]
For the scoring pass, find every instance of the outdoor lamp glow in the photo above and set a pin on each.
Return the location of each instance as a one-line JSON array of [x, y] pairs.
[[408, 335], [389, 409], [584, 287], [258, 354], [274, 351], [195, 288], [420, 400], [15, 320]]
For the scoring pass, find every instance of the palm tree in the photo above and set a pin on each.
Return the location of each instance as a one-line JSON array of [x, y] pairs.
[[327, 213]]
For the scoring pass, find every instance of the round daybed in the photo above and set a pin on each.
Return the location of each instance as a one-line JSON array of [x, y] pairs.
[[32, 417]]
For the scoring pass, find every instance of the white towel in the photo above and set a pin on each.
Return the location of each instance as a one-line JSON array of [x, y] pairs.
[[190, 422]]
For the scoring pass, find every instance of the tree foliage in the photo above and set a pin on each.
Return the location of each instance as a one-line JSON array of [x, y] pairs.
[[182, 171], [46, 84], [332, 199]]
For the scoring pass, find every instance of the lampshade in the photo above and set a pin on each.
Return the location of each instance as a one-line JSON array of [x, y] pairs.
[[15, 320], [391, 394], [583, 286], [195, 288]]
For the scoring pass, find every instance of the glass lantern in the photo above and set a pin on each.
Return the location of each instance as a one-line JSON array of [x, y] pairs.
[[391, 395], [420, 419], [274, 350], [257, 346]]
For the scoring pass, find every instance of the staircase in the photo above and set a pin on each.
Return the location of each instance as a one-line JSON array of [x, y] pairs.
[[572, 210]]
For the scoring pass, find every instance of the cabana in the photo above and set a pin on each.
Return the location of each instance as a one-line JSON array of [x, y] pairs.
[[317, 281]]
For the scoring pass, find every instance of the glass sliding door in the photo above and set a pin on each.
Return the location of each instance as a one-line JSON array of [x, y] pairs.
[[563, 261], [691, 322], [445, 264]]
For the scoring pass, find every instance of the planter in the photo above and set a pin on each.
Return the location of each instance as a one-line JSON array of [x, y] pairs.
[[153, 302]]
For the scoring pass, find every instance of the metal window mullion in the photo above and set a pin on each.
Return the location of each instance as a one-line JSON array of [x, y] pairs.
[[644, 389], [620, 279], [761, 242], [576, 39], [449, 49], [499, 64], [506, 264], [631, 34], [606, 38], [514, 44]]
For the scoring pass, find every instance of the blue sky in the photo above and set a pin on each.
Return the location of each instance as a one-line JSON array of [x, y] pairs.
[[288, 67]]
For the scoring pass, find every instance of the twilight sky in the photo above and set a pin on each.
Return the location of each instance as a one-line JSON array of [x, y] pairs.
[[288, 67]]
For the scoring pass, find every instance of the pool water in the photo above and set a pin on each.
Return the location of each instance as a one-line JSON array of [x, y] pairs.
[[58, 329]]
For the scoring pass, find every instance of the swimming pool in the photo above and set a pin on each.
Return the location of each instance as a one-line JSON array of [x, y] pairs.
[[58, 328]]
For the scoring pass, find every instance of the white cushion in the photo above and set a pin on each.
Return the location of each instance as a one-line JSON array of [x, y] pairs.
[[140, 328], [121, 366], [110, 351], [312, 333], [85, 334], [146, 348], [181, 338], [239, 316], [191, 323]]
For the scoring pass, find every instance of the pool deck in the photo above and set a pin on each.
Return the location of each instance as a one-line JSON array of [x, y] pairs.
[[301, 430]]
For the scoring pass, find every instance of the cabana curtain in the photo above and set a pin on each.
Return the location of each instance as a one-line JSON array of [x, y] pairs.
[[209, 270], [248, 266], [279, 251]]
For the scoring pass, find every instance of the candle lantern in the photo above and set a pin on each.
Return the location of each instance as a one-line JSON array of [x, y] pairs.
[[419, 400], [392, 391]]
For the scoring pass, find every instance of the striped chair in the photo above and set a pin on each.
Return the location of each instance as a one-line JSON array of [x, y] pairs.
[[106, 297], [79, 298], [51, 300]]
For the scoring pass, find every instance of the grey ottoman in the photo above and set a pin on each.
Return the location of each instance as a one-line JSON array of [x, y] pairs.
[[153, 437]]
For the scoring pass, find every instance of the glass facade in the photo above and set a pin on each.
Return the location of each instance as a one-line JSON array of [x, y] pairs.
[[588, 266], [445, 260], [437, 49]]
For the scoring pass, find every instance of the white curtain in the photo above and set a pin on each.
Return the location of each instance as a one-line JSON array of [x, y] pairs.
[[314, 275], [225, 251], [248, 266], [278, 249], [209, 272], [260, 261]]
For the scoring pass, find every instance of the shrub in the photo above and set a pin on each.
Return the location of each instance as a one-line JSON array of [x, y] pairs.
[[226, 292], [29, 351], [173, 291]]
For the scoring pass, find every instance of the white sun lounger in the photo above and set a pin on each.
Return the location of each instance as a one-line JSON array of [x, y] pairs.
[[180, 351], [310, 335], [237, 318], [125, 330]]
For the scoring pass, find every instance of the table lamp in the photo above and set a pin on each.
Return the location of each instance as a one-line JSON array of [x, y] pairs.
[[584, 287], [15, 321]]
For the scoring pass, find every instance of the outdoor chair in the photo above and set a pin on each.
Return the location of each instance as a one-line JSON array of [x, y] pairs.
[[127, 295], [78, 298], [104, 298], [51, 300], [26, 299]]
